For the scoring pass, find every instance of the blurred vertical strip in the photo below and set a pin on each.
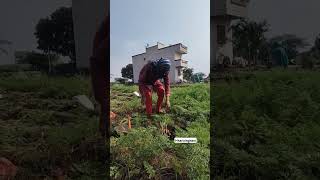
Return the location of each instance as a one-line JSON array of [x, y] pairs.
[[100, 75]]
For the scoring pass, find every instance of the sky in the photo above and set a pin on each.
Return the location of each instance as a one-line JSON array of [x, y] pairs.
[[19, 18], [134, 23], [288, 16], [137, 23]]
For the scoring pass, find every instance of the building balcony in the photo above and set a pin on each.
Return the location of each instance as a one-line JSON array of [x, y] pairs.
[[179, 48], [181, 63], [182, 49], [233, 8]]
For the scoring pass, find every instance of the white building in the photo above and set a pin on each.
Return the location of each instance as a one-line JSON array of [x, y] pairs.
[[172, 52], [7, 56], [87, 17], [223, 12]]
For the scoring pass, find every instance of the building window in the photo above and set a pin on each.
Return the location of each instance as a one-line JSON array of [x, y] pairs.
[[221, 34]]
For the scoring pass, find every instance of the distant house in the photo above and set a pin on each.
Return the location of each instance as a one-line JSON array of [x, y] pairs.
[[6, 53], [223, 13], [87, 17], [172, 52]]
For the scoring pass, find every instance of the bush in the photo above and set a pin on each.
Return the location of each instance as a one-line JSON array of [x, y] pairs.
[[15, 68], [39, 61], [64, 69]]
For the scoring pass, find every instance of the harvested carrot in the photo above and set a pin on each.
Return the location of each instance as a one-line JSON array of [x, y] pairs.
[[129, 122], [112, 115]]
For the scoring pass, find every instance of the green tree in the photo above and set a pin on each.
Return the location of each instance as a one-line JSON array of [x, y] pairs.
[[187, 74], [127, 71], [55, 34], [249, 38], [198, 77], [291, 43]]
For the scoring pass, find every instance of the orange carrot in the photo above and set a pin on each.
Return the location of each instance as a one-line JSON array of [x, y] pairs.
[[129, 122]]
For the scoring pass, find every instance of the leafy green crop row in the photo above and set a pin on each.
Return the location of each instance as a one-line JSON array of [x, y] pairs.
[[268, 127], [42, 128]]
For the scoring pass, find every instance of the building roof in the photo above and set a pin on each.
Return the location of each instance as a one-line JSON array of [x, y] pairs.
[[161, 48]]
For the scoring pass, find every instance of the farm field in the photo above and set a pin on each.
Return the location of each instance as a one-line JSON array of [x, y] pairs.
[[44, 132], [146, 152], [267, 125]]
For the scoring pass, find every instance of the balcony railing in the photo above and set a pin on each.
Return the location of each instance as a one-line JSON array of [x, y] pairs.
[[181, 63]]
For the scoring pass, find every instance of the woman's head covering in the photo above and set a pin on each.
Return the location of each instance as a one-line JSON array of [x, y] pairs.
[[161, 66], [164, 65]]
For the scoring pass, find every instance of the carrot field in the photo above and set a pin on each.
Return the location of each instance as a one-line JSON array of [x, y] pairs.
[[267, 125], [44, 132], [147, 152]]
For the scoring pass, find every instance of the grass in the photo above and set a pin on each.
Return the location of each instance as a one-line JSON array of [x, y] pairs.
[[48, 87], [268, 126], [146, 152], [42, 128]]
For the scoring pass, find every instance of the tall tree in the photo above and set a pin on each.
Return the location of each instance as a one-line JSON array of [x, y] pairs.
[[127, 71], [45, 35], [249, 38], [55, 34]]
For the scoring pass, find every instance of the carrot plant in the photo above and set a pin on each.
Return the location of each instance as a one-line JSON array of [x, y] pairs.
[[43, 129], [146, 152], [268, 126]]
